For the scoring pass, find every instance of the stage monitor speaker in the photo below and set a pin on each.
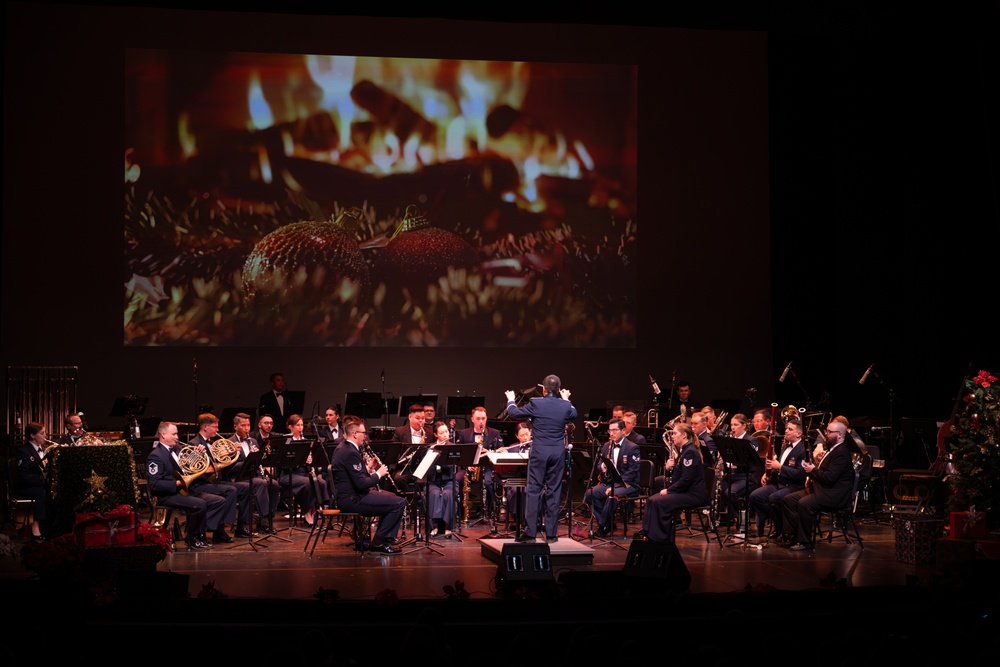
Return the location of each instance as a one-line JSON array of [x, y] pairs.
[[916, 487], [524, 564], [660, 561]]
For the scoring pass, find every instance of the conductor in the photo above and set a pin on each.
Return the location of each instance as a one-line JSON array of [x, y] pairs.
[[546, 464]]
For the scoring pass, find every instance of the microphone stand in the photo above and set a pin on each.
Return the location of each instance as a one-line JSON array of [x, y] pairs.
[[385, 403], [590, 479]]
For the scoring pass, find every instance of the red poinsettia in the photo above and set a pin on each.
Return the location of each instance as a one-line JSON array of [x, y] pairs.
[[984, 379]]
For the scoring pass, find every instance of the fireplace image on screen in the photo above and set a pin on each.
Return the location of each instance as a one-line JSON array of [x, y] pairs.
[[319, 200]]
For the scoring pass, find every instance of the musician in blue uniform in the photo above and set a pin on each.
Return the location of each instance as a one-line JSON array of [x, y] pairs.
[[356, 483], [624, 455], [491, 441], [30, 458], [205, 511], [224, 484], [549, 414], [687, 488], [264, 488], [442, 486], [783, 474]]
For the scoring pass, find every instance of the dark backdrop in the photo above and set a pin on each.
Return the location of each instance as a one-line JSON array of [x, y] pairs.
[[814, 191]]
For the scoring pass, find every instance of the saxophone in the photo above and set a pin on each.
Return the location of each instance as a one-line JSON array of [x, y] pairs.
[[465, 499]]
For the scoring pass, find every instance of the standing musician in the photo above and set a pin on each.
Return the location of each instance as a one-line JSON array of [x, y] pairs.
[[490, 441], [624, 455], [783, 474], [549, 414], [264, 488], [687, 488], [277, 401], [356, 483], [31, 464], [831, 481], [205, 510]]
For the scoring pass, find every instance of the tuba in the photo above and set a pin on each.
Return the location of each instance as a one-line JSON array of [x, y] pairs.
[[194, 463]]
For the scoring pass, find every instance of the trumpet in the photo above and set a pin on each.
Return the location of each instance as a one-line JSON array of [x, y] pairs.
[[194, 463]]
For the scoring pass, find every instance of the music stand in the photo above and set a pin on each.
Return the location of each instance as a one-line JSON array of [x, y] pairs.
[[458, 456], [288, 454], [403, 409], [464, 405], [246, 474], [616, 480], [741, 454], [129, 408], [420, 477], [363, 404]]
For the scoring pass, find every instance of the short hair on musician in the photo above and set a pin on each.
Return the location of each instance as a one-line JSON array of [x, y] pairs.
[[68, 419], [843, 420], [708, 410], [416, 407], [617, 423], [206, 418], [478, 408], [264, 416], [335, 409], [163, 427], [33, 429], [352, 425], [240, 416], [275, 375], [629, 417], [552, 383], [763, 413], [796, 422]]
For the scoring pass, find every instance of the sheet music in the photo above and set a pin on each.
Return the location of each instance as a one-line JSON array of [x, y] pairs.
[[508, 457], [425, 464]]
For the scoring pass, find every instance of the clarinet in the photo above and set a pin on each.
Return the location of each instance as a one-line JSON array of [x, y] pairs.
[[378, 464]]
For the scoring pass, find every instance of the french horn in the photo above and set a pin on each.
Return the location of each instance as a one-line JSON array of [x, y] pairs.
[[194, 463]]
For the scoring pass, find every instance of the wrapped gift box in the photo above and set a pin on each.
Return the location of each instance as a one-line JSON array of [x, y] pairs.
[[916, 539], [989, 548], [106, 529], [952, 551], [968, 525]]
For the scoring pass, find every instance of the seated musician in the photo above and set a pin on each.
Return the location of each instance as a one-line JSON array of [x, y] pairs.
[[687, 487], [523, 445], [624, 455], [265, 489], [206, 511], [75, 431], [740, 481], [782, 475], [442, 487], [208, 432], [490, 440], [414, 437], [309, 489], [31, 473], [356, 484]]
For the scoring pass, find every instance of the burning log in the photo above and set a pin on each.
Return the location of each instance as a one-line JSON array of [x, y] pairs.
[[391, 112]]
